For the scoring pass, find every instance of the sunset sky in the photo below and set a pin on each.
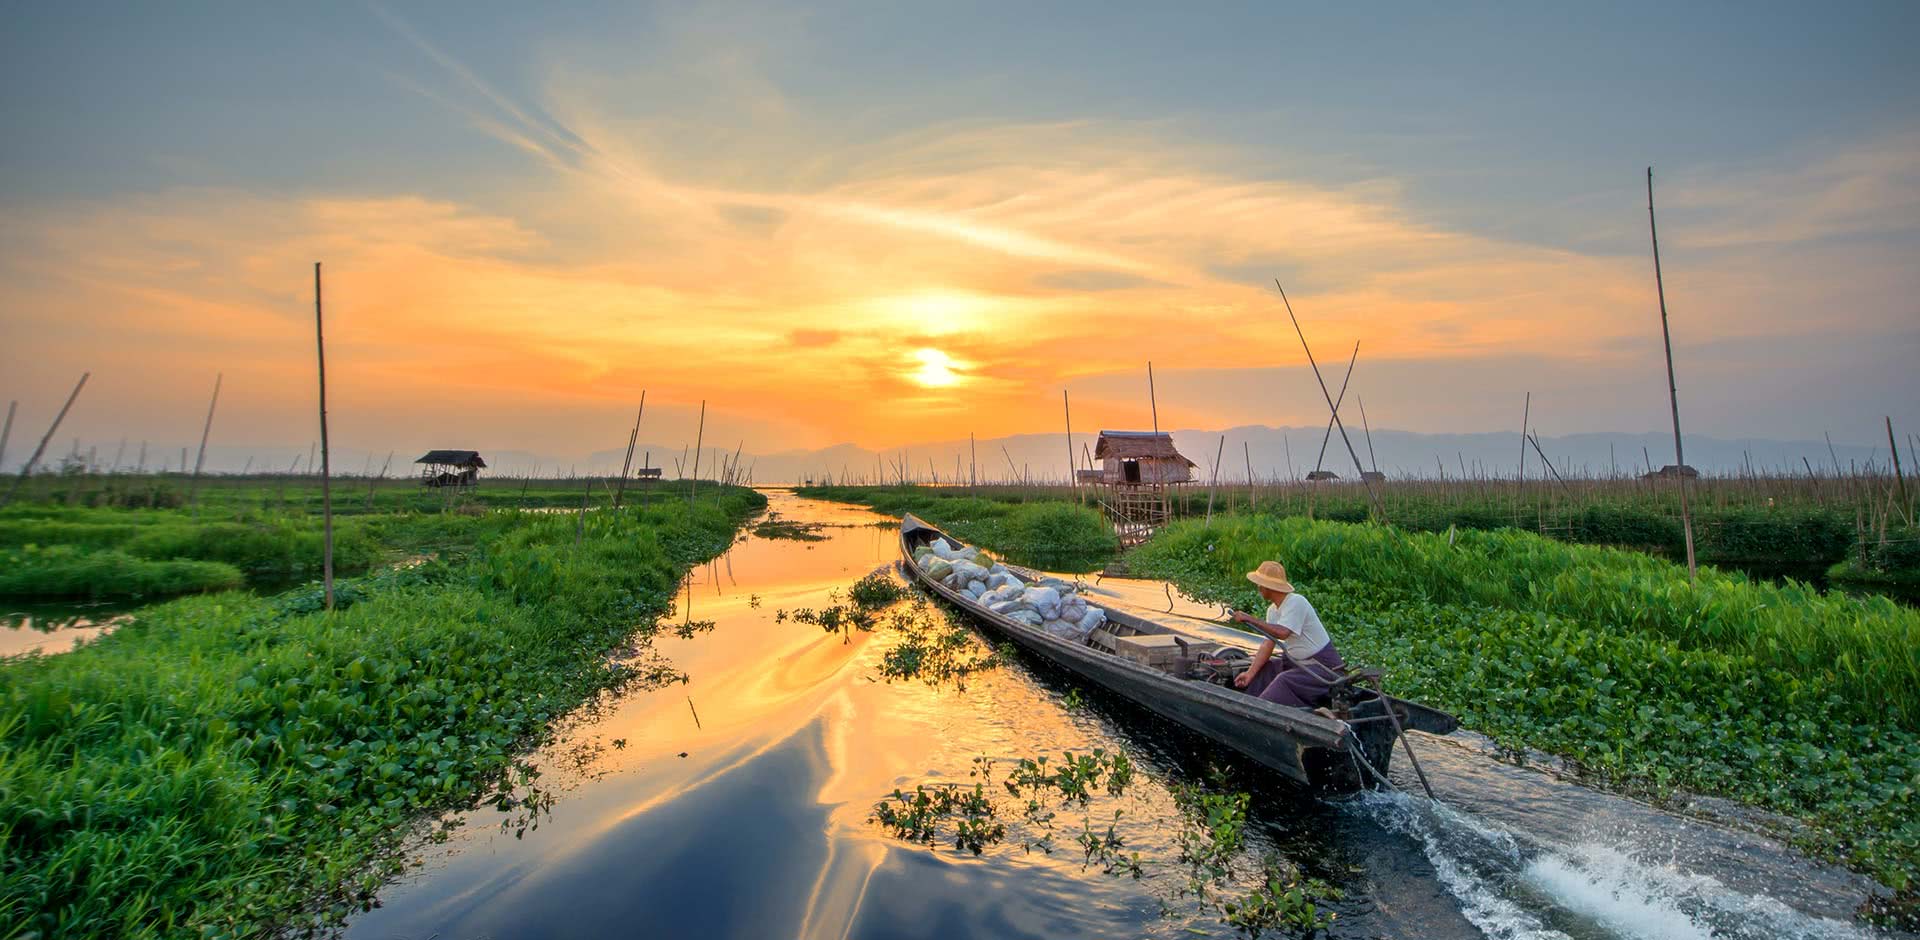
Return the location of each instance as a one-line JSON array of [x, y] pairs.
[[892, 223]]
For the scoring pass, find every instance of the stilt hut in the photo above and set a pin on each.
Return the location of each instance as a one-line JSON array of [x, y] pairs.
[[1136, 470], [454, 468]]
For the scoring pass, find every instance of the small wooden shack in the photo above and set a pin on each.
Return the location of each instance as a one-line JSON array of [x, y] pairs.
[[456, 468], [1136, 469], [1671, 472], [1145, 457]]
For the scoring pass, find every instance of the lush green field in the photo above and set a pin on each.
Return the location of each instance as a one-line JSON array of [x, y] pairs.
[[237, 765], [1052, 534], [266, 529], [1839, 529]]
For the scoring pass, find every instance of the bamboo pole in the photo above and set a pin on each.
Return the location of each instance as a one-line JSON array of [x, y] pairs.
[[1253, 492], [1368, 428], [1153, 400], [326, 465], [1071, 476], [699, 437], [1218, 452], [26, 469], [1526, 415], [1899, 476], [1371, 495], [1673, 389], [632, 440], [973, 464], [200, 459], [6, 432], [1338, 400]]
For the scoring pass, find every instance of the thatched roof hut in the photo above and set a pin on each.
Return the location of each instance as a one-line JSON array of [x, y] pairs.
[[455, 468], [1141, 457]]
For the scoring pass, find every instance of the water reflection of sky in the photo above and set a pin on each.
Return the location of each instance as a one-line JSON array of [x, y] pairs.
[[56, 627], [739, 804]]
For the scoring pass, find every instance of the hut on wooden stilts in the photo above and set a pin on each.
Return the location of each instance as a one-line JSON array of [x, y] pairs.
[[1137, 470]]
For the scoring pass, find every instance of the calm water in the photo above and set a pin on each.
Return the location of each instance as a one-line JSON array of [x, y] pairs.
[[740, 804], [56, 627]]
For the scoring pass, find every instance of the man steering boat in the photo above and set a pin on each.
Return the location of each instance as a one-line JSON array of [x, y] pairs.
[[1294, 629]]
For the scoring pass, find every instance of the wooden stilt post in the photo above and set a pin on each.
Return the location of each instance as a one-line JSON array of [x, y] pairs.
[[200, 460], [1673, 389], [326, 465], [26, 469]]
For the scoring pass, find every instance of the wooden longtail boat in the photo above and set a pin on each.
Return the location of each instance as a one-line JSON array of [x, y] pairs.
[[1337, 754]]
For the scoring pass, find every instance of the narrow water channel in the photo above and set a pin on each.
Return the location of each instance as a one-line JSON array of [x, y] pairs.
[[741, 804]]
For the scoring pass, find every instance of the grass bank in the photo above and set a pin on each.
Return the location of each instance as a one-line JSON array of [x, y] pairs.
[[1779, 697], [1768, 528], [1053, 534], [65, 571], [232, 765]]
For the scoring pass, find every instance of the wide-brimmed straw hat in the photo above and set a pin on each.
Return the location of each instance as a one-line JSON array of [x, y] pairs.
[[1271, 574]]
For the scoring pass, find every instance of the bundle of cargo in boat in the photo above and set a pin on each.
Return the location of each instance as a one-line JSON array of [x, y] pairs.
[[1051, 604]]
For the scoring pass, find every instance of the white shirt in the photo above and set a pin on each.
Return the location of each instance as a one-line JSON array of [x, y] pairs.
[[1294, 613]]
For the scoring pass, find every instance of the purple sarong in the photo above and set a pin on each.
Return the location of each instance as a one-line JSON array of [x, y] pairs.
[[1285, 682]]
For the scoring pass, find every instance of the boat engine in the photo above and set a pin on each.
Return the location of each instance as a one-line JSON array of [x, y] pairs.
[[1221, 665]]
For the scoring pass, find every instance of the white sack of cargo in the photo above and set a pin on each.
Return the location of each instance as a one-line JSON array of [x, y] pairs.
[[966, 571]]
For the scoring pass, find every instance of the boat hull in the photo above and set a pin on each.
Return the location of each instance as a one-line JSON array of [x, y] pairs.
[[1327, 754]]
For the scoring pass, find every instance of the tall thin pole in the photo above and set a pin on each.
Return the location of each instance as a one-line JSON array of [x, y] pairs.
[[1152, 400], [200, 459], [1338, 400], [698, 437], [1068, 405], [632, 440], [1673, 389], [1899, 476], [1526, 414], [1371, 495], [973, 463], [1253, 492], [326, 461], [7, 432], [1368, 428], [27, 468]]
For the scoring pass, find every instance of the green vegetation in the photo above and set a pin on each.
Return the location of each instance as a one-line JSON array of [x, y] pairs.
[[65, 571], [1889, 565], [1054, 535], [1780, 697], [1808, 529], [233, 765]]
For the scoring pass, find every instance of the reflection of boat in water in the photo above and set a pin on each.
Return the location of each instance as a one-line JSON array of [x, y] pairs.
[[1186, 679]]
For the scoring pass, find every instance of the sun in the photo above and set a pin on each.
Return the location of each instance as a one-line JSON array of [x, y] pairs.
[[936, 369]]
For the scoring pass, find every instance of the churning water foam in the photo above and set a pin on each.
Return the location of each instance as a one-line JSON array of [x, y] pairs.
[[1512, 890]]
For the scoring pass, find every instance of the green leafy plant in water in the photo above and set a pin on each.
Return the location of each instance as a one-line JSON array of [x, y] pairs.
[[1283, 902], [916, 816]]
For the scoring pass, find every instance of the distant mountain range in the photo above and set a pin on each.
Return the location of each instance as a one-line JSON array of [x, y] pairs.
[[1273, 453]]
